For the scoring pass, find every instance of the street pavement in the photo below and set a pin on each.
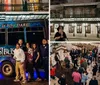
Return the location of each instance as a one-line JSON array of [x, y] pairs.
[[9, 81]]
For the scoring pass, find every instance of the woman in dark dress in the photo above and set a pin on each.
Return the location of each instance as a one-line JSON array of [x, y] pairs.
[[36, 57], [60, 35]]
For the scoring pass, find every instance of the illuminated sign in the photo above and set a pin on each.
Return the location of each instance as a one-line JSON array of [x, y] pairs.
[[18, 25]]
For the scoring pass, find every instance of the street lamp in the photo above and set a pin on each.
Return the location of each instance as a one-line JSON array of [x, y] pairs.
[[98, 25], [85, 29], [73, 25]]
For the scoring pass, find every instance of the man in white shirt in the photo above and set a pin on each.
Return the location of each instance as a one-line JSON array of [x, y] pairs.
[[19, 56]]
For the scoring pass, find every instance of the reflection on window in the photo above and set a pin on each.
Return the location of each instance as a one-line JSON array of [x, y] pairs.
[[79, 28], [71, 29], [88, 29]]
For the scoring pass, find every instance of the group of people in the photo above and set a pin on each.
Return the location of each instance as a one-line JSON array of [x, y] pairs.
[[78, 60], [28, 57]]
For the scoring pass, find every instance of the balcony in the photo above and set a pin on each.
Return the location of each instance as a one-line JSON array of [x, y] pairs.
[[73, 16], [25, 7]]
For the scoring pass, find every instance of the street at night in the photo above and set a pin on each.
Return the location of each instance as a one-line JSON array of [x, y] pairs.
[[9, 81]]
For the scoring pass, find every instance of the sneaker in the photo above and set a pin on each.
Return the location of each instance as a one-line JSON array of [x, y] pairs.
[[16, 80], [38, 79], [24, 81]]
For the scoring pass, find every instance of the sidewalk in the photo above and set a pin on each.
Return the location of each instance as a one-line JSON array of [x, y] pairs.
[[36, 83]]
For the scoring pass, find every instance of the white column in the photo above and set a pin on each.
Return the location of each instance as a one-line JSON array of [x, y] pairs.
[[83, 29], [75, 29]]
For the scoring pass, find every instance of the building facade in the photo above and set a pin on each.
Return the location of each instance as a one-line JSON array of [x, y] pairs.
[[24, 5], [80, 19]]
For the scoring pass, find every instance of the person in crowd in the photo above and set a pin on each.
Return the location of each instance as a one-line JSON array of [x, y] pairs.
[[29, 61], [84, 78], [78, 52], [52, 72], [94, 51], [57, 58], [82, 60], [62, 80], [67, 55], [60, 35], [44, 50], [67, 62], [98, 66], [22, 46], [94, 70], [19, 56], [76, 77], [89, 59], [84, 52], [36, 57], [74, 57], [93, 81], [84, 64], [81, 70]]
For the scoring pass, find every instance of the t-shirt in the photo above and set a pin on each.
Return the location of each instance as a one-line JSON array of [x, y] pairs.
[[76, 77], [58, 35]]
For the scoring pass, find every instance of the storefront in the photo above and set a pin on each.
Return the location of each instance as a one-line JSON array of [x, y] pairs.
[[26, 27]]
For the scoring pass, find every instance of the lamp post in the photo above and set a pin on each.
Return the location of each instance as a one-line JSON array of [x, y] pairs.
[[98, 25], [73, 25], [85, 29]]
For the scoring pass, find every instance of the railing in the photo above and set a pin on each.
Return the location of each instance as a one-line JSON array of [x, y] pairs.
[[73, 16], [55, 2], [25, 7]]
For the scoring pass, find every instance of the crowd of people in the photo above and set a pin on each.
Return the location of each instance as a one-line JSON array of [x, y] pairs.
[[30, 56], [77, 60]]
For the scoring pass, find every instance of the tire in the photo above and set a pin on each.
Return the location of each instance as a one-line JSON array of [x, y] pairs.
[[7, 69]]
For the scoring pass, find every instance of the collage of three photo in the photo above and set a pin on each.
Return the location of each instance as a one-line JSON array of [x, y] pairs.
[[49, 42]]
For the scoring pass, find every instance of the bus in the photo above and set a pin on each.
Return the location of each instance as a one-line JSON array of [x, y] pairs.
[[30, 27]]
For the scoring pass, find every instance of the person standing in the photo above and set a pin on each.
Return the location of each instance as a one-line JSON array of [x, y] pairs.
[[76, 77], [19, 56], [60, 35], [44, 50], [94, 70], [62, 80], [84, 78], [22, 46], [93, 81], [29, 61], [36, 57]]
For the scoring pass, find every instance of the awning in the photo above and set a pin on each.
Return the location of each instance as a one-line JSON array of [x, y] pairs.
[[23, 16]]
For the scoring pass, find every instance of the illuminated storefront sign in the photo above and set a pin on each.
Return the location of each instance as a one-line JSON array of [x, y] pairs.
[[77, 19], [18, 25]]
